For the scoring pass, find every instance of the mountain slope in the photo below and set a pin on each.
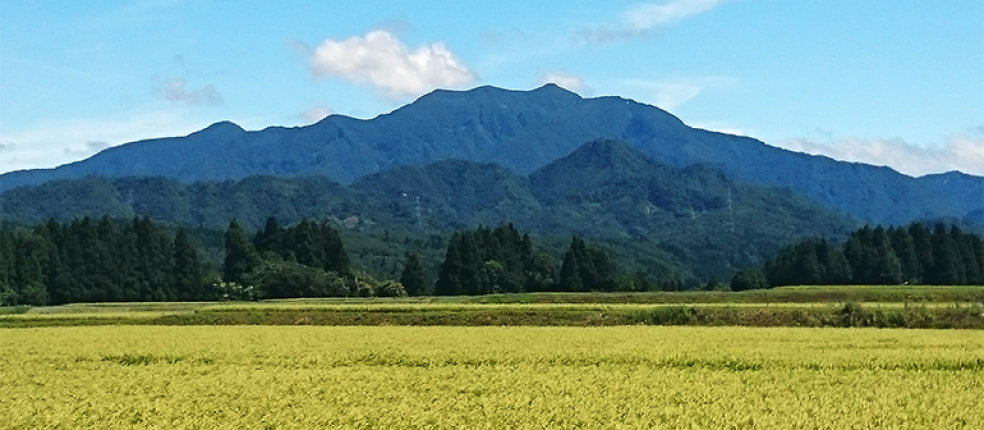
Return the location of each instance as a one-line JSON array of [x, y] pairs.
[[450, 194], [656, 218], [521, 131]]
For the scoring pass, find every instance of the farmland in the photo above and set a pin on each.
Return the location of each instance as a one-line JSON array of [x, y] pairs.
[[620, 360], [489, 377], [847, 306]]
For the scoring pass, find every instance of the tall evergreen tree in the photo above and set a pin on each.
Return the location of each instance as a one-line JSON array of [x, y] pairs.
[[957, 242], [7, 252], [103, 265], [270, 239], [887, 269], [905, 249], [241, 257], [187, 273], [836, 269], [153, 260], [414, 277], [810, 271], [947, 266], [973, 269], [923, 244], [336, 259], [570, 268], [586, 268], [28, 279], [977, 249], [306, 242], [449, 277], [471, 264], [540, 272]]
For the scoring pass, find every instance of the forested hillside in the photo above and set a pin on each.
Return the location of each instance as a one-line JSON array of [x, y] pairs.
[[665, 223]]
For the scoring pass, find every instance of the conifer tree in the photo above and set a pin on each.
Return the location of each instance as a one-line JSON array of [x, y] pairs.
[[836, 269], [414, 277], [923, 244], [449, 277], [336, 259], [905, 249], [947, 266], [886, 269], [586, 268], [270, 239], [241, 256], [187, 274], [570, 268]]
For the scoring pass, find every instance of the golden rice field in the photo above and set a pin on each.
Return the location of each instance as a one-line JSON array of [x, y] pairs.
[[235, 377]]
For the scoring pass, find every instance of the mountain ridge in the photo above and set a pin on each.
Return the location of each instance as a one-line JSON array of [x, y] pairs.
[[522, 131]]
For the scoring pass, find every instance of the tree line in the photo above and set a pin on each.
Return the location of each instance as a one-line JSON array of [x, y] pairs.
[[89, 260], [307, 259], [876, 256]]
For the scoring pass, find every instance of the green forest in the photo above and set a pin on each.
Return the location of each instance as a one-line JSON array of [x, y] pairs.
[[106, 260], [943, 255]]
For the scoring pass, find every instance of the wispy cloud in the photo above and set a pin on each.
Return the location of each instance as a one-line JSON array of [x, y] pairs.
[[569, 81], [176, 90], [381, 60], [721, 127], [961, 151], [644, 19], [314, 114], [670, 94]]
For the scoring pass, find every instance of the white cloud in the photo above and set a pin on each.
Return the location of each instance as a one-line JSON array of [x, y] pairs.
[[96, 145], [673, 93], [669, 95], [55, 143], [720, 127], [176, 90], [571, 82], [381, 60], [962, 151], [315, 113], [643, 19]]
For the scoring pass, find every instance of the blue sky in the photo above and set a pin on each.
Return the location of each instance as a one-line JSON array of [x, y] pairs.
[[887, 82]]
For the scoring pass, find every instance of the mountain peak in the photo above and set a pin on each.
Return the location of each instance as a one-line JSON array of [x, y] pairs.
[[221, 127], [593, 165], [608, 154], [555, 90], [489, 92]]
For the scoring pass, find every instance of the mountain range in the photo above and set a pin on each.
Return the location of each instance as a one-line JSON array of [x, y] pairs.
[[693, 221], [664, 198], [521, 131]]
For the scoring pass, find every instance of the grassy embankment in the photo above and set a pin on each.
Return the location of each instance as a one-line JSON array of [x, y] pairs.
[[842, 306]]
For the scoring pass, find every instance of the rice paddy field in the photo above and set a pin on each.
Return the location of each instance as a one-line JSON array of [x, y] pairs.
[[805, 357], [489, 377]]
